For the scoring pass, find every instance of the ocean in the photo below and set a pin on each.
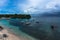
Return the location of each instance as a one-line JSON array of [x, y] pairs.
[[14, 29], [38, 28]]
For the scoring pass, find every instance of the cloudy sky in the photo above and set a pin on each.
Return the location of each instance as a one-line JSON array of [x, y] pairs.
[[28, 6]]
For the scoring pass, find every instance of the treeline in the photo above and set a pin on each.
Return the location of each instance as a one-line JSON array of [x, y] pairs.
[[20, 16]]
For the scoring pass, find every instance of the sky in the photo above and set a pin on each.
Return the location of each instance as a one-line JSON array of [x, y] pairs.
[[28, 6]]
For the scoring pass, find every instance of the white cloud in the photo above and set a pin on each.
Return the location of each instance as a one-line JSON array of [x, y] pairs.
[[52, 4], [38, 5]]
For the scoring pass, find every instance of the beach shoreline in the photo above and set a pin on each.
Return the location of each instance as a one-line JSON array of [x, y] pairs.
[[9, 35], [22, 37]]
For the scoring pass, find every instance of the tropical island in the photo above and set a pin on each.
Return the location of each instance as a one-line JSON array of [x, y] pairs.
[[20, 16]]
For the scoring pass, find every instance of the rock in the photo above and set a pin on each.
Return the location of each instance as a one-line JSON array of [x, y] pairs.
[[5, 35], [1, 28]]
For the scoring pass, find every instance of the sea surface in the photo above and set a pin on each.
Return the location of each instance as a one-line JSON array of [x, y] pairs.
[[14, 29], [40, 23]]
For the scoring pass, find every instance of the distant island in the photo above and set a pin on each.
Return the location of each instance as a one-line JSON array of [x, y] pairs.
[[52, 14], [20, 16]]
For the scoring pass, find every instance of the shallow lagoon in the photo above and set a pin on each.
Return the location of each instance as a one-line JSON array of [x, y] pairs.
[[14, 29]]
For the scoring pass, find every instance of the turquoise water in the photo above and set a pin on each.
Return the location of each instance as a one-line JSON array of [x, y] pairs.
[[15, 29], [44, 25]]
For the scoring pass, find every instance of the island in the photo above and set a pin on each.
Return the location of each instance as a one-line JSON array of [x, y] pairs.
[[20, 16]]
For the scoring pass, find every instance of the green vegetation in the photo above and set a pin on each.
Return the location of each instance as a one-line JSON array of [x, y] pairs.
[[20, 16]]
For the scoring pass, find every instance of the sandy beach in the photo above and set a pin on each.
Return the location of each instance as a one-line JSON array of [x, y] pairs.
[[10, 36]]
